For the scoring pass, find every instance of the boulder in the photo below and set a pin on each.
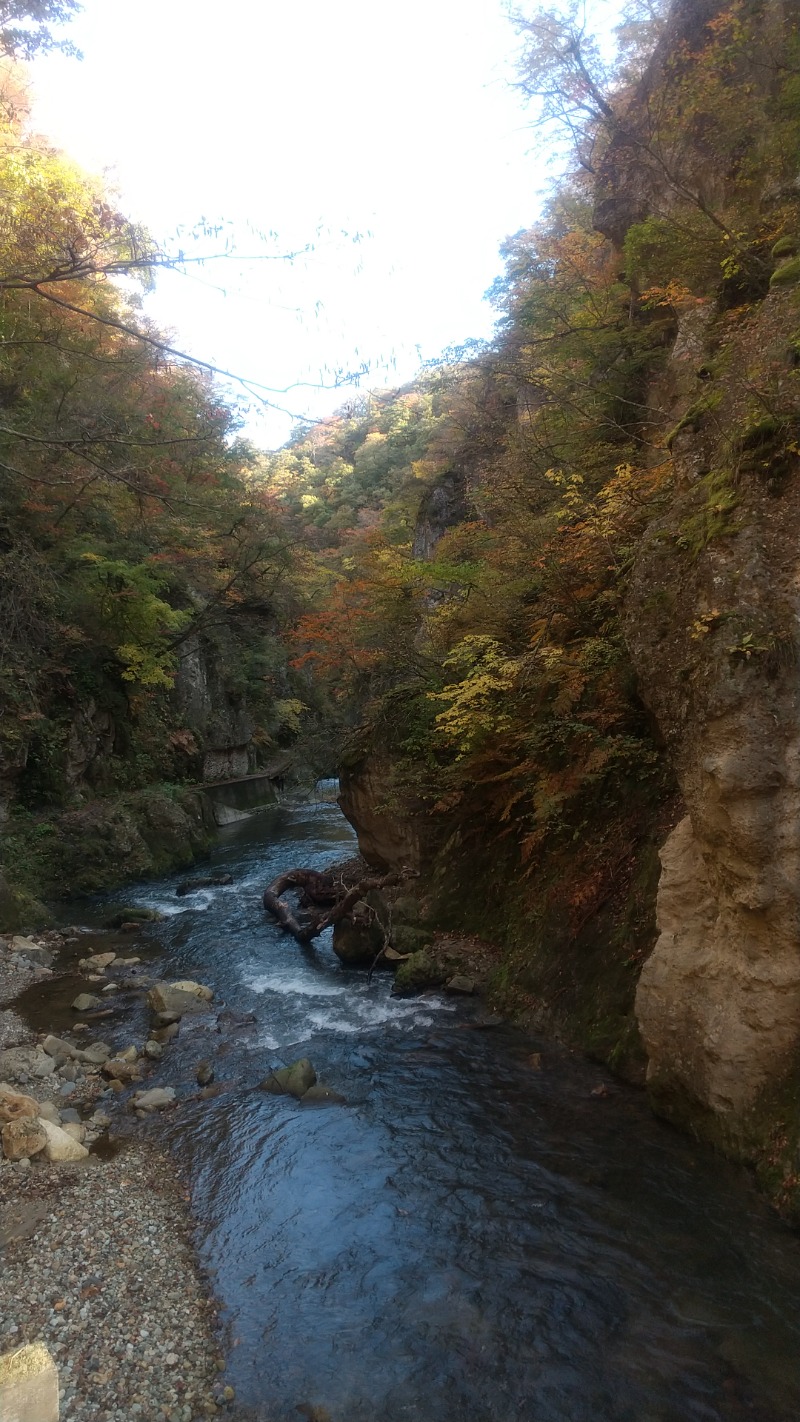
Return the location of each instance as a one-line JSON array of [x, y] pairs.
[[357, 941], [321, 1095], [166, 998], [153, 1050], [294, 1080], [75, 1129], [96, 1054], [153, 1100], [167, 1019], [21, 944], [162, 1035], [48, 1111], [28, 1385], [120, 1070], [134, 915], [85, 1001], [407, 939], [59, 1146], [14, 1106], [460, 984], [420, 970], [98, 961], [190, 886], [406, 910], [34, 952], [204, 1074], [197, 989], [58, 1048], [18, 1062], [23, 1138]]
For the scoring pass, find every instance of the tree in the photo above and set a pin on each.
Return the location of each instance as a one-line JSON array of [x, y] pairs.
[[25, 26]]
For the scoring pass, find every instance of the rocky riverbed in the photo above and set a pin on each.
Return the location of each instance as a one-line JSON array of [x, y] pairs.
[[94, 1227]]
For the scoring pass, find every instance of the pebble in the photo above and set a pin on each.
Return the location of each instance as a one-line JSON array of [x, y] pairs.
[[103, 1273], [109, 1284]]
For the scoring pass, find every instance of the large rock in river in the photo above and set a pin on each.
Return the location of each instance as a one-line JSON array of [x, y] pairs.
[[294, 1080], [357, 942], [180, 999]]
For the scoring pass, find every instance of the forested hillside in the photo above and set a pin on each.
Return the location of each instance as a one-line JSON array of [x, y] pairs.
[[555, 580], [143, 568]]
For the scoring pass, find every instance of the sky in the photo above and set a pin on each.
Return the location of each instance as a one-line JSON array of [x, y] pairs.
[[386, 139]]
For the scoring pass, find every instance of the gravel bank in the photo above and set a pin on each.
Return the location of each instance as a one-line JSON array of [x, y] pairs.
[[97, 1264], [96, 1260]]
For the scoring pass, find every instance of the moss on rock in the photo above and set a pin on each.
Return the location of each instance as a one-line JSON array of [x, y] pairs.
[[20, 910], [787, 274]]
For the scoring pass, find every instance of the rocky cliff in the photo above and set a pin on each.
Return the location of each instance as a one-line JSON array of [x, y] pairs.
[[712, 627], [697, 193]]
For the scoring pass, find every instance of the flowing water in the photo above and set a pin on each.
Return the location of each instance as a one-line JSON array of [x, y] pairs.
[[469, 1236]]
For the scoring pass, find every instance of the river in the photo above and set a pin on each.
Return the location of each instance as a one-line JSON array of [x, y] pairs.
[[469, 1236]]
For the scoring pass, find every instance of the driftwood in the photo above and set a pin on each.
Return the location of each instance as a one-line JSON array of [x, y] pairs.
[[320, 889]]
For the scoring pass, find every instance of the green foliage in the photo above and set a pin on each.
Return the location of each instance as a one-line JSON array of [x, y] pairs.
[[25, 26], [134, 538], [121, 602], [665, 254]]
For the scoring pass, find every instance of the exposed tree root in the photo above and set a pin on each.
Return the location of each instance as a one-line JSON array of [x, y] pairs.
[[321, 889]]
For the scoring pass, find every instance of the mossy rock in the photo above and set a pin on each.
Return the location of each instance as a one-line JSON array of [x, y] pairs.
[[419, 971], [133, 914], [380, 906], [294, 1080], [693, 418], [19, 910], [760, 433], [407, 910], [410, 940], [788, 274], [356, 943], [785, 247]]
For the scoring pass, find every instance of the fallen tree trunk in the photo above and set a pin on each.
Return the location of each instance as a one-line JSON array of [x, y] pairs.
[[321, 888]]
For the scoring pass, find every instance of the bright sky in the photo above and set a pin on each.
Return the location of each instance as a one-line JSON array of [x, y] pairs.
[[393, 124]]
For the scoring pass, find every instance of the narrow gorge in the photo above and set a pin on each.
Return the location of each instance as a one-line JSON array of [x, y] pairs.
[[400, 828]]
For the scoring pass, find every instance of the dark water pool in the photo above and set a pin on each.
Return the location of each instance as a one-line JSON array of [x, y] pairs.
[[468, 1237]]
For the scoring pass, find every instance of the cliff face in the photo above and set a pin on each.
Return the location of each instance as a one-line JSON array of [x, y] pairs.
[[711, 613], [712, 627], [387, 838], [692, 619], [219, 720]]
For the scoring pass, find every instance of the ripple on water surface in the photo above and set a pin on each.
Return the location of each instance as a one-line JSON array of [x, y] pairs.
[[466, 1238]]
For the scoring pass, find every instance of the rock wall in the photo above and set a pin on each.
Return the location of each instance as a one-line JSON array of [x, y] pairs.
[[217, 717], [712, 626], [386, 839]]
